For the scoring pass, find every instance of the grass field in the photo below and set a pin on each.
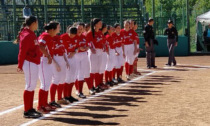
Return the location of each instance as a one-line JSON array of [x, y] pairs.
[[167, 96]]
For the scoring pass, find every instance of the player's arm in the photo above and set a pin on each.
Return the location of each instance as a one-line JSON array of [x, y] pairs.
[[24, 46], [42, 46]]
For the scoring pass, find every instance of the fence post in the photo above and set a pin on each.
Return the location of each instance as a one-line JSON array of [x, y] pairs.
[[121, 12], [45, 11], [188, 24], [14, 19], [82, 11], [153, 15]]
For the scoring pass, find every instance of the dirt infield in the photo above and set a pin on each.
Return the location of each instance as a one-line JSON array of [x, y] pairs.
[[167, 96]]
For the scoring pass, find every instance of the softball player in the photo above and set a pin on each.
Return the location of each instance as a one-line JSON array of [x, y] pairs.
[[46, 45], [134, 26], [95, 37], [119, 51], [104, 57], [28, 61], [129, 48], [83, 65], [70, 42], [59, 75], [110, 57]]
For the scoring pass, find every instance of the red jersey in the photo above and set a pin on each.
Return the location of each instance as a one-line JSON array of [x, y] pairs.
[[137, 37], [59, 47], [70, 44], [110, 40], [82, 42], [46, 40], [118, 39], [97, 41], [129, 36], [28, 48]]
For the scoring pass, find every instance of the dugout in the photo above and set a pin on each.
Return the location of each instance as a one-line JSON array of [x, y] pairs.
[[202, 23]]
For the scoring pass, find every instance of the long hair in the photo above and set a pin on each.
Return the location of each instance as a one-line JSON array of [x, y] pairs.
[[28, 21], [93, 22]]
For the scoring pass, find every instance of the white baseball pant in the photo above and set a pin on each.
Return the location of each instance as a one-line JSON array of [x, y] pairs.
[[72, 72], [110, 60], [95, 61], [119, 59], [129, 56], [103, 62], [31, 72], [45, 74], [59, 77], [83, 66]]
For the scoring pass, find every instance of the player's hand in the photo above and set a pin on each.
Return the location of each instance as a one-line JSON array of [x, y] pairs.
[[176, 44], [146, 44], [124, 55], [58, 68], [117, 54], [49, 59], [141, 49], [71, 54], [19, 70], [93, 51], [135, 51]]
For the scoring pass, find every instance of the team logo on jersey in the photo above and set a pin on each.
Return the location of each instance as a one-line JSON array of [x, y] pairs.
[[61, 41], [98, 39], [130, 34], [72, 46], [36, 42]]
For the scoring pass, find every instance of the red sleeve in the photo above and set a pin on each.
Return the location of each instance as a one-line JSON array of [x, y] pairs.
[[23, 49], [43, 40]]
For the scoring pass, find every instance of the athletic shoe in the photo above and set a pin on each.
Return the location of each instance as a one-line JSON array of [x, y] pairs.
[[174, 64], [168, 64], [120, 80], [92, 91], [81, 95], [63, 102], [98, 89], [148, 67], [71, 99], [32, 113], [128, 77], [43, 110], [113, 83], [109, 84], [55, 104], [154, 66], [103, 86], [50, 108], [114, 80]]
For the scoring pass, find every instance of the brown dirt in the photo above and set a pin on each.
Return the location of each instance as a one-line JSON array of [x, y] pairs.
[[176, 96]]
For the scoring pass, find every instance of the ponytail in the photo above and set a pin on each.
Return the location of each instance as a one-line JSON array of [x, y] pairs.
[[18, 36], [92, 28], [93, 22]]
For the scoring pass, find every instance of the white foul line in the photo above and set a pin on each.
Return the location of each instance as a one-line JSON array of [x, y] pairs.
[[13, 109], [83, 100]]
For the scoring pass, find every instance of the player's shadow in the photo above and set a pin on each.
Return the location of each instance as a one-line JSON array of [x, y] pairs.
[[134, 91], [172, 69], [79, 121], [108, 100], [162, 78], [85, 114]]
